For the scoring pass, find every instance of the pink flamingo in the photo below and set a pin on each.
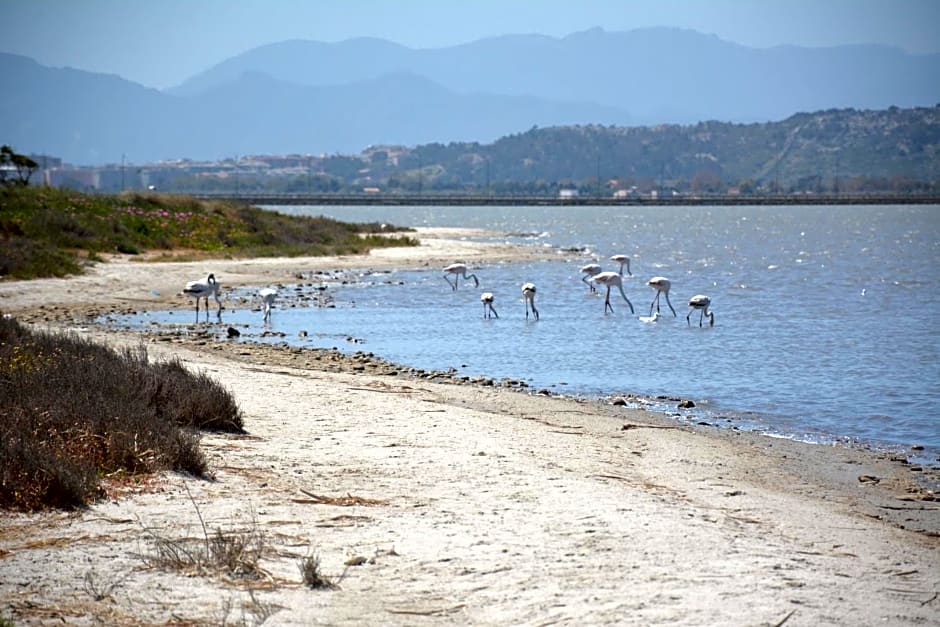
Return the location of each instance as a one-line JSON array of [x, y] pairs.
[[701, 303], [459, 270], [661, 285], [611, 279]]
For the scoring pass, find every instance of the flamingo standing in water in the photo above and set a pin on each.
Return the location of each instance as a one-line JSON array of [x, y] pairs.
[[661, 285], [528, 293], [204, 288], [459, 270], [267, 295], [589, 270], [611, 279], [701, 303], [623, 260], [487, 299]]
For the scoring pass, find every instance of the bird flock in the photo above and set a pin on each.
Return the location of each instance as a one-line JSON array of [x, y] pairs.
[[593, 276], [592, 273]]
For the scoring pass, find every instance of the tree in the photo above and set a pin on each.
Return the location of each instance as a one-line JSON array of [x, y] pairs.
[[23, 165]]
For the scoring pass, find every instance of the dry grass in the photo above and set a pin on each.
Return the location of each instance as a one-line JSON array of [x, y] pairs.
[[235, 553], [73, 412]]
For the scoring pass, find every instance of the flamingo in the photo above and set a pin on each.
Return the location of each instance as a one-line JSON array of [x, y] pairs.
[[203, 289], [611, 279], [648, 319], [459, 270], [589, 270], [267, 295], [702, 303], [661, 285], [487, 299], [528, 293], [623, 260]]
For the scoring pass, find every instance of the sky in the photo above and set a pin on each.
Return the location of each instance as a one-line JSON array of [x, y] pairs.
[[161, 43]]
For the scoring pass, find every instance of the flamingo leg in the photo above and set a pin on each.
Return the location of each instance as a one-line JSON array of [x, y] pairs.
[[607, 304], [494, 311], [655, 302], [674, 314], [453, 286]]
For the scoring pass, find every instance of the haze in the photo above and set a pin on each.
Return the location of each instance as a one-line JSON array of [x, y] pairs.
[[160, 44]]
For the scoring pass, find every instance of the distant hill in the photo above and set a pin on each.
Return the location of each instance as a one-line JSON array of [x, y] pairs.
[[90, 119], [311, 97], [820, 150], [653, 75]]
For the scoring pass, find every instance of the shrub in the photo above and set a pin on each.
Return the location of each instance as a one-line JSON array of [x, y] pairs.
[[72, 411]]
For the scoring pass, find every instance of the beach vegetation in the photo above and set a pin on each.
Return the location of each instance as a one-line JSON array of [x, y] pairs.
[[76, 416], [48, 231]]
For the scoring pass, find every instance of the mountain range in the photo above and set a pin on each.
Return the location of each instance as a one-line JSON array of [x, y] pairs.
[[308, 97]]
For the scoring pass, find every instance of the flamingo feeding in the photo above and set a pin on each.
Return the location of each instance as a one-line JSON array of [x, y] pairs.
[[589, 270], [459, 270], [203, 289], [623, 260], [487, 299], [661, 285], [701, 303], [267, 294], [611, 279], [528, 293]]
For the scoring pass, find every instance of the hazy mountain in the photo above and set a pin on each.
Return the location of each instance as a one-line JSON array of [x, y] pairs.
[[88, 118], [313, 97], [658, 75]]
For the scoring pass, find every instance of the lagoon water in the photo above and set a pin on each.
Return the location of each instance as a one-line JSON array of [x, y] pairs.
[[827, 318]]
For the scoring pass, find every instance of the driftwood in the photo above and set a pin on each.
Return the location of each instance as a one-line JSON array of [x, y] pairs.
[[343, 501]]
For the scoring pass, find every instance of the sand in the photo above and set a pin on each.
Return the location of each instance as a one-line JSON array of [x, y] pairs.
[[434, 502]]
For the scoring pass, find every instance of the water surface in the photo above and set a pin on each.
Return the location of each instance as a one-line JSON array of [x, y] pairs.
[[827, 318]]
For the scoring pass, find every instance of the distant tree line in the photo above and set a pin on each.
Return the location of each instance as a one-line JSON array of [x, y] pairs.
[[840, 151]]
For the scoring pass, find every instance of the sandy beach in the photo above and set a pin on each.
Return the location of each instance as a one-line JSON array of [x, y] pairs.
[[433, 501]]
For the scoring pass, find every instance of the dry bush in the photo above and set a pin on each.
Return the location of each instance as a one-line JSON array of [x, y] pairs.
[[235, 553], [312, 576], [72, 411]]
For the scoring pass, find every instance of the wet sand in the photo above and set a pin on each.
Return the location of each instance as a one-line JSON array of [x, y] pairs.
[[432, 499]]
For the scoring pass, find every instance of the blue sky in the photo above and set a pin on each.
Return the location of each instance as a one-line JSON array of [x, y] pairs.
[[160, 43]]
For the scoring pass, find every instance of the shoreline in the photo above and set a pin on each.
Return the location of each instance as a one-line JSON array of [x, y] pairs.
[[494, 505]]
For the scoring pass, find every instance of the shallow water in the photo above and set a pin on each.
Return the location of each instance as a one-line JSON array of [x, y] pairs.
[[827, 318]]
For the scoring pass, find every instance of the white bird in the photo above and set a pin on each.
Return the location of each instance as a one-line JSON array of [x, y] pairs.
[[610, 279], [653, 318], [267, 294], [701, 303], [459, 270], [487, 299], [623, 260], [661, 285], [589, 270], [203, 289], [528, 293]]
